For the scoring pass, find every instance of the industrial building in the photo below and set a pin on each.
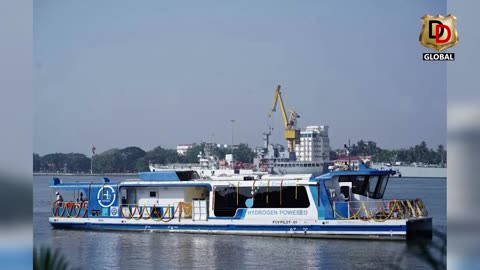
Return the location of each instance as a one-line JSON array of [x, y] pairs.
[[314, 144]]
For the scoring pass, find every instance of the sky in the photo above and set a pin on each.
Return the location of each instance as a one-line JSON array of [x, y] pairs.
[[161, 73]]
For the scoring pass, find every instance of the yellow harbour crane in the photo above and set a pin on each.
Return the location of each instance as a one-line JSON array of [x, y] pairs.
[[291, 133]]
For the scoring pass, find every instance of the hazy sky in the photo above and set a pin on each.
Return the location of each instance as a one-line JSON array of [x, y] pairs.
[[121, 73]]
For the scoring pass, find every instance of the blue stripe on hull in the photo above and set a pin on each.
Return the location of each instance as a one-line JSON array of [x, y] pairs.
[[232, 228]]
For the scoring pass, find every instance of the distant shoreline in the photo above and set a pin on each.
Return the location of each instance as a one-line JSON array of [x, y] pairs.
[[84, 174]]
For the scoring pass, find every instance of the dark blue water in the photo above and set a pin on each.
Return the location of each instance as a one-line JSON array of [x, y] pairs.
[[146, 250]]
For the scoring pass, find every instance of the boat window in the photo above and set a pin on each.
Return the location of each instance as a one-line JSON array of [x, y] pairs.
[[289, 197], [358, 184], [284, 199], [372, 184], [153, 194], [226, 201], [381, 187], [331, 183], [345, 190], [131, 196], [264, 199]]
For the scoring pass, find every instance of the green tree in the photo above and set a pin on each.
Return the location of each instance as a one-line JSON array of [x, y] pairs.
[[74, 162], [385, 155], [371, 148], [243, 153], [442, 154], [127, 159], [333, 155], [402, 155], [161, 155], [361, 148], [37, 161], [105, 162], [77, 163], [191, 156], [220, 153], [141, 165], [421, 152]]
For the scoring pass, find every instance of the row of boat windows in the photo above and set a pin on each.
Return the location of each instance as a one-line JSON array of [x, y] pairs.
[[298, 165], [228, 200]]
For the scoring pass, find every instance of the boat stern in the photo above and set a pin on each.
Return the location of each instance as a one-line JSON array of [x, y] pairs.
[[419, 228]]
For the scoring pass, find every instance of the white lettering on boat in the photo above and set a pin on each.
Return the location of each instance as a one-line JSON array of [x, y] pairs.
[[277, 212], [284, 222]]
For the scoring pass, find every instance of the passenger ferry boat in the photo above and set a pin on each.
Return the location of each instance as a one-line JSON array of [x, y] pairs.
[[338, 204]]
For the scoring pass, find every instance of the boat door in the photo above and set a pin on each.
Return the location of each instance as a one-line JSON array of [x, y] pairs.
[[346, 190], [200, 209], [131, 196]]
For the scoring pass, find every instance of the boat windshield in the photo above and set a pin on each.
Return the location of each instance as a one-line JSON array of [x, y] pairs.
[[372, 186]]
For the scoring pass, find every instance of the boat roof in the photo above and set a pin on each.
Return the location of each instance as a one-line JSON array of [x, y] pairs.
[[163, 175], [187, 178], [362, 170]]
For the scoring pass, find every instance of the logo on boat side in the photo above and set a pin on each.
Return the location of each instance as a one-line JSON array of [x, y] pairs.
[[114, 211], [106, 196]]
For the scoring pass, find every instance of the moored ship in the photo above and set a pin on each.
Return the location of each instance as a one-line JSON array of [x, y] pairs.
[[339, 204], [415, 171]]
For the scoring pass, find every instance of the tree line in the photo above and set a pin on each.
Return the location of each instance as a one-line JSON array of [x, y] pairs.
[[134, 159], [418, 153], [130, 159]]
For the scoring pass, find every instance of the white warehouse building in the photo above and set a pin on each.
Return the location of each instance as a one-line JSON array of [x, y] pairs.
[[314, 144]]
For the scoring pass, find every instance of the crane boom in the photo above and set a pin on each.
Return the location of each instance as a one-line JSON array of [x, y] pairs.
[[278, 97], [291, 134]]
